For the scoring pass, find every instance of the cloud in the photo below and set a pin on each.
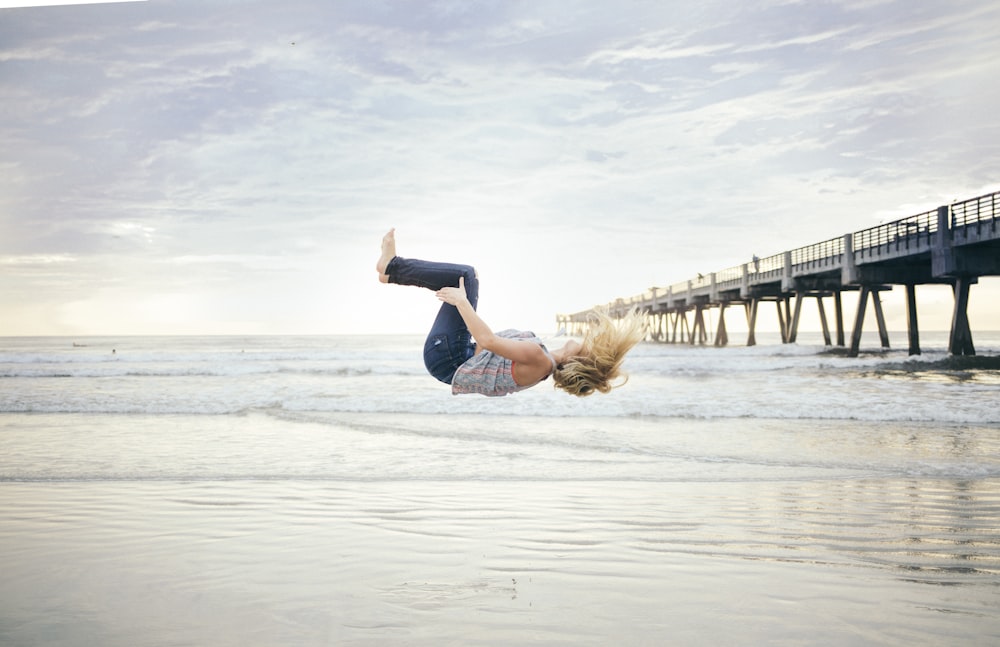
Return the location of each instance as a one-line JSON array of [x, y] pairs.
[[662, 52], [807, 39], [257, 154]]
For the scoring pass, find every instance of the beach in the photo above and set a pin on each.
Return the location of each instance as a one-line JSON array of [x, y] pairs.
[[323, 491]]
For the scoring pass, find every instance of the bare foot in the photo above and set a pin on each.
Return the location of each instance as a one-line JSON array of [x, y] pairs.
[[388, 253]]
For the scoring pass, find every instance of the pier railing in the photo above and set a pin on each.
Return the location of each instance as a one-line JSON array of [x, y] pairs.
[[977, 218], [984, 210], [826, 255], [905, 235]]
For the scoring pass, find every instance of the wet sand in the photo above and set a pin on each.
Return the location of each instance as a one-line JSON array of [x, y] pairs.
[[276, 562]]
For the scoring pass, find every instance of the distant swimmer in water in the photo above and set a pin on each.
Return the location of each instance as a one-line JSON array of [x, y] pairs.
[[461, 350]]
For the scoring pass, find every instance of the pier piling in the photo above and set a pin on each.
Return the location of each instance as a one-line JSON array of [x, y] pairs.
[[912, 331]]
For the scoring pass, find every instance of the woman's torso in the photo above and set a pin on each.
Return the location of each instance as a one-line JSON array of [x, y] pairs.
[[489, 374]]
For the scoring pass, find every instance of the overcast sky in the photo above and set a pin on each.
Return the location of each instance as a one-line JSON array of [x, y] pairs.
[[227, 166]]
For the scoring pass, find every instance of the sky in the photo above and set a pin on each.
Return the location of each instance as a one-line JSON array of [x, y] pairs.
[[230, 166]]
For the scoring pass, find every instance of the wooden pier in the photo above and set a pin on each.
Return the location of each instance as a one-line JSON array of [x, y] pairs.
[[952, 245]]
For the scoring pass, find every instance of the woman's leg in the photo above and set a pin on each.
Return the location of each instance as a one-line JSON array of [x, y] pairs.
[[433, 275], [449, 343], [424, 274]]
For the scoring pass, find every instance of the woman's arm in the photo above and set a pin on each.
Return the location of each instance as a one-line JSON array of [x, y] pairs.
[[512, 349]]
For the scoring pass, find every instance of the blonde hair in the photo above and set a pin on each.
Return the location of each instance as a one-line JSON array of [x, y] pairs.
[[604, 349]]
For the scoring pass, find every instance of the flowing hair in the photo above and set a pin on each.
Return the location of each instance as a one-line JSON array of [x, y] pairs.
[[604, 349]]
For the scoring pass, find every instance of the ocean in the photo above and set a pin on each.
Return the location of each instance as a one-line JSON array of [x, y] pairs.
[[320, 490]]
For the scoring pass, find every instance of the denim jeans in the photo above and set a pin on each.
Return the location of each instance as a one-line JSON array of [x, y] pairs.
[[449, 343]]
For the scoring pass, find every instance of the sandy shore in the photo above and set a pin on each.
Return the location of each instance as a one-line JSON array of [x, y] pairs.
[[488, 563]]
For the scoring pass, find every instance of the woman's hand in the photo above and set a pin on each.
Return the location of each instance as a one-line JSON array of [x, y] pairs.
[[454, 296]]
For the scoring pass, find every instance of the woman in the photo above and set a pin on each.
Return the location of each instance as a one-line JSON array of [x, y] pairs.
[[497, 364]]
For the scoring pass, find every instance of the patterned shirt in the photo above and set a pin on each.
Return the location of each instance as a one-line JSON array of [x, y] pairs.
[[490, 374]]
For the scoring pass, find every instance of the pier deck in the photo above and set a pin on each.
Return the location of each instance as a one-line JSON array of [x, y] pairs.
[[954, 244]]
